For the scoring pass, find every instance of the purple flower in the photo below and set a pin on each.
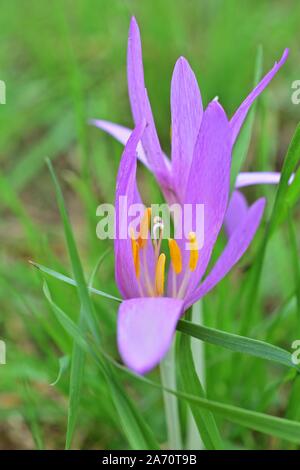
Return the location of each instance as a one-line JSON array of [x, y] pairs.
[[156, 295], [187, 115], [151, 307]]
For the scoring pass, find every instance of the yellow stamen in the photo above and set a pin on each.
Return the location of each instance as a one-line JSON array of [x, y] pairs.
[[194, 252], [144, 227], [135, 253], [175, 255], [160, 274]]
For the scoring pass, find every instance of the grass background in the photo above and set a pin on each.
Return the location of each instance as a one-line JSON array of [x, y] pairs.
[[64, 62]]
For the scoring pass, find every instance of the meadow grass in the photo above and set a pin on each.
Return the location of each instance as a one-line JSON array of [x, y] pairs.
[[65, 62]]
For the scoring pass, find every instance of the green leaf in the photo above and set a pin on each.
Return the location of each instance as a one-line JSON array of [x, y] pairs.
[[66, 322], [279, 427], [77, 371], [294, 259], [286, 194], [270, 425], [63, 364], [134, 426], [279, 212], [191, 384], [71, 282], [237, 343]]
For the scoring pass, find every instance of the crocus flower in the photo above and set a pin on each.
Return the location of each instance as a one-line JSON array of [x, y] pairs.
[[152, 306], [186, 114], [156, 295]]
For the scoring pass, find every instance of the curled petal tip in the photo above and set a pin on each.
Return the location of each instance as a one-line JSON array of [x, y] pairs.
[[285, 55], [283, 58]]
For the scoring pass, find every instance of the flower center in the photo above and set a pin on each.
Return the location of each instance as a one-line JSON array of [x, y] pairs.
[[154, 285]]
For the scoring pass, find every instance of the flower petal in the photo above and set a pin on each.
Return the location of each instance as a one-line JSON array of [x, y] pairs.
[[234, 250], [145, 330], [257, 177], [126, 188], [236, 211], [239, 116], [121, 134], [140, 104], [209, 182], [186, 112]]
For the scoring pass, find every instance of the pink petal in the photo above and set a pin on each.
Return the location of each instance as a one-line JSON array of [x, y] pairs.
[[126, 187], [186, 112], [236, 211], [145, 330], [239, 116], [140, 104], [209, 181], [234, 250], [257, 177], [121, 134]]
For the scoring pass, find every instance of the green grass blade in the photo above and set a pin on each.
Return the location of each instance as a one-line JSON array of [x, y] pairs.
[[168, 377], [77, 372], [279, 212], [75, 386], [63, 364], [31, 414], [83, 294], [135, 428], [71, 328], [71, 282], [237, 343], [284, 200], [204, 420], [279, 427], [295, 260], [267, 424]]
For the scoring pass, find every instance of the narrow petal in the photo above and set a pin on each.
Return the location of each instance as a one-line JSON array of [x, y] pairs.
[[236, 211], [140, 104], [239, 116], [234, 250], [126, 188], [145, 330], [186, 112], [121, 134], [209, 182], [257, 177]]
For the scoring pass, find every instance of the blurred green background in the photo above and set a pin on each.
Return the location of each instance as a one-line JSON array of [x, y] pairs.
[[64, 62]]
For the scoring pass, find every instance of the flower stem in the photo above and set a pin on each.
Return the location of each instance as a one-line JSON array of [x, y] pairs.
[[168, 380], [194, 440]]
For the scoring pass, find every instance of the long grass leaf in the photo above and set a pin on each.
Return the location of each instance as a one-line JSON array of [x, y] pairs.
[[237, 343], [134, 426], [204, 420]]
